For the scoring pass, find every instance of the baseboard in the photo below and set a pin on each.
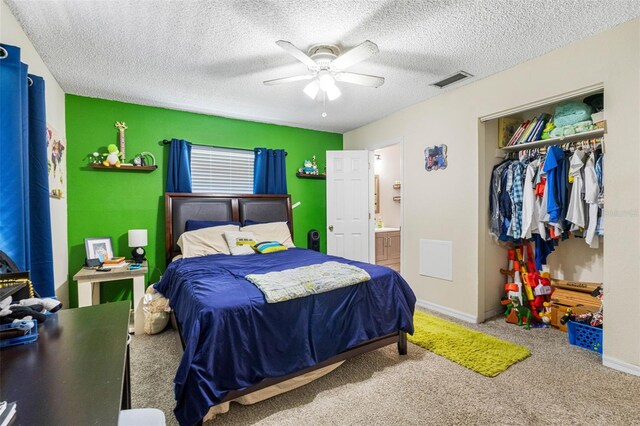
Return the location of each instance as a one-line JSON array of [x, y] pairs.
[[493, 312], [616, 364], [447, 311]]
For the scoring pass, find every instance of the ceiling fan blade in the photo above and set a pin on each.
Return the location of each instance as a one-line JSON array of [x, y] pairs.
[[363, 51], [288, 79], [361, 79], [297, 53]]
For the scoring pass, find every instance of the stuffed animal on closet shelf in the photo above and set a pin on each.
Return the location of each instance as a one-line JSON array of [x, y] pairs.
[[113, 157]]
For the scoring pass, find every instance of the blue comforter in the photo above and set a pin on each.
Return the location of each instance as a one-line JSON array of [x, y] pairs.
[[234, 339]]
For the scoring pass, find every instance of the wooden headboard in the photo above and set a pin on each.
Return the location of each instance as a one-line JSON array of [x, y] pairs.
[[180, 207]]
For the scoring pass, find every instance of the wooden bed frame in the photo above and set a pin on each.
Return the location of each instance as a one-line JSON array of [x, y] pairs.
[[260, 208]]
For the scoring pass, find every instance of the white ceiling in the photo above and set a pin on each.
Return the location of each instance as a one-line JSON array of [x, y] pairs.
[[212, 56]]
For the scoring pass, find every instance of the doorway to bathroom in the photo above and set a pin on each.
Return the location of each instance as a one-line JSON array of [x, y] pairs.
[[388, 205]]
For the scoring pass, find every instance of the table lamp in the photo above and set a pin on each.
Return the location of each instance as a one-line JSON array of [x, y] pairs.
[[137, 240]]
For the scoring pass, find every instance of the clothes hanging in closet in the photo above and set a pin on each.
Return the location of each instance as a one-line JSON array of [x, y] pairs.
[[548, 197]]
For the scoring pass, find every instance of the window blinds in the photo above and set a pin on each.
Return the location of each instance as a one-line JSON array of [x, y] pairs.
[[221, 170]]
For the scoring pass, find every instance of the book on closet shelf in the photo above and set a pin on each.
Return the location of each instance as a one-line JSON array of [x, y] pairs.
[[516, 136], [507, 127], [535, 129], [525, 133], [538, 132]]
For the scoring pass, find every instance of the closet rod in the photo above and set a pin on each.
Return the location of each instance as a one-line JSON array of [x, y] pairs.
[[168, 142], [591, 134]]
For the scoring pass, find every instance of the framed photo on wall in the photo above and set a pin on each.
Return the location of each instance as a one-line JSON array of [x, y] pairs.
[[99, 248]]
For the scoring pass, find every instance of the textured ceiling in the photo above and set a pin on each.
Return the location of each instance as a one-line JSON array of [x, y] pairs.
[[212, 56]]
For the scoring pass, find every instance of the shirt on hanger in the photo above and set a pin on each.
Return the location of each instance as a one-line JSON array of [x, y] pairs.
[[552, 166], [575, 211], [591, 193]]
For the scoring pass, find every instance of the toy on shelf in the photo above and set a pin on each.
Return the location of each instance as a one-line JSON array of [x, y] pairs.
[[121, 126], [310, 167], [94, 158], [113, 157], [546, 132]]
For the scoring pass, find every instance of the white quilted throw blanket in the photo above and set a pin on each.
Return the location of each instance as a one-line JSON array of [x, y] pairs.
[[306, 280]]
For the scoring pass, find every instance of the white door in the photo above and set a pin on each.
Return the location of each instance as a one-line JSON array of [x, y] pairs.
[[348, 219]]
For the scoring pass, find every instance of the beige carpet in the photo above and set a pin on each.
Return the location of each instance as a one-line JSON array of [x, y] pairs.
[[559, 384]]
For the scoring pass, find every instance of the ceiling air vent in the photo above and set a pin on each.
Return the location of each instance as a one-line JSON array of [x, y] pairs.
[[460, 75]]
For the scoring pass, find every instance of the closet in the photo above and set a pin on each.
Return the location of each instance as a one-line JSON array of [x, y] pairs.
[[577, 238]]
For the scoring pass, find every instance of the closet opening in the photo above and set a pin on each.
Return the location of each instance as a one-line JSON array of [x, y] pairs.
[[387, 195], [563, 240]]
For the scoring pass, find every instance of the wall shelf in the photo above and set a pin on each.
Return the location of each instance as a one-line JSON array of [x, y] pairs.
[[307, 176], [126, 168], [591, 134]]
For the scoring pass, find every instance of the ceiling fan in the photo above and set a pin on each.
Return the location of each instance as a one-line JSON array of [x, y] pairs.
[[326, 66]]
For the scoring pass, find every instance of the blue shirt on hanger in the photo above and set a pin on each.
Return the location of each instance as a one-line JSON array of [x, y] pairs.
[[553, 168]]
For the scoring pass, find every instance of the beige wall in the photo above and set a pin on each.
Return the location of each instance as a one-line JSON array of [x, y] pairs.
[[455, 208], [388, 170], [11, 33]]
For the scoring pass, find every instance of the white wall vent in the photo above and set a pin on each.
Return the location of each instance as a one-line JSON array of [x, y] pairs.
[[460, 75], [436, 259]]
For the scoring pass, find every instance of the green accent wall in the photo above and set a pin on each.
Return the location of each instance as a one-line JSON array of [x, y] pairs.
[[107, 203]]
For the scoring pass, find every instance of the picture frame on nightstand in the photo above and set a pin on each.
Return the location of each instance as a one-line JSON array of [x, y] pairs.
[[99, 248]]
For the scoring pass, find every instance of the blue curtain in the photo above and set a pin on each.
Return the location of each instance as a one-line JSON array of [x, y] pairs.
[[269, 171], [179, 171], [25, 219]]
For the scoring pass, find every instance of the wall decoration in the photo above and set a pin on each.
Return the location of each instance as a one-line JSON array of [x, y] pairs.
[[121, 126], [56, 162], [435, 157]]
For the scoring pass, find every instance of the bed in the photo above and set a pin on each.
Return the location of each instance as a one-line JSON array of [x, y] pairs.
[[234, 342]]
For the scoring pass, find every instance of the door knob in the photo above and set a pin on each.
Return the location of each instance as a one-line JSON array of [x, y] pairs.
[[331, 228]]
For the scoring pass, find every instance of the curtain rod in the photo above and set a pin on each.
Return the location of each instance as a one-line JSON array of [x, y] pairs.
[[168, 142]]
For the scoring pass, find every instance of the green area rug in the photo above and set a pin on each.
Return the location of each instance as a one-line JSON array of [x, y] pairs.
[[479, 352]]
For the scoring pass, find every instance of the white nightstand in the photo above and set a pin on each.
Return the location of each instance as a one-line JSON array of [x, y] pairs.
[[89, 288]]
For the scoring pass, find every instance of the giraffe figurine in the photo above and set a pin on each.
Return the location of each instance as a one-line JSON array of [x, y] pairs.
[[121, 126]]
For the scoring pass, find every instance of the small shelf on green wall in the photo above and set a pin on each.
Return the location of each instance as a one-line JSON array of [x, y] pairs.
[[307, 176], [127, 168]]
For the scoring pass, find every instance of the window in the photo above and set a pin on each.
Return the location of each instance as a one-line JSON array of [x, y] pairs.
[[221, 170]]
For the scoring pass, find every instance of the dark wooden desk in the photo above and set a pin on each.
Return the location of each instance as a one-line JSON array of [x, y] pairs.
[[74, 373]]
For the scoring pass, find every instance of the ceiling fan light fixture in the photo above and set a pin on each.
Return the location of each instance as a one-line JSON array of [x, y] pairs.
[[312, 89], [326, 80], [333, 93]]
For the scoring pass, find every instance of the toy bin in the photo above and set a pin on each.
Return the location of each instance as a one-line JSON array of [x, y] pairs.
[[18, 333], [585, 336]]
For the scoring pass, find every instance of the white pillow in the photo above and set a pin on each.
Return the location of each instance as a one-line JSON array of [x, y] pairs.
[[240, 243], [272, 231], [204, 241]]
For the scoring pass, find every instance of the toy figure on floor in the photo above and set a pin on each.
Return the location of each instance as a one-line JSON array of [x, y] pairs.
[[518, 314]]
